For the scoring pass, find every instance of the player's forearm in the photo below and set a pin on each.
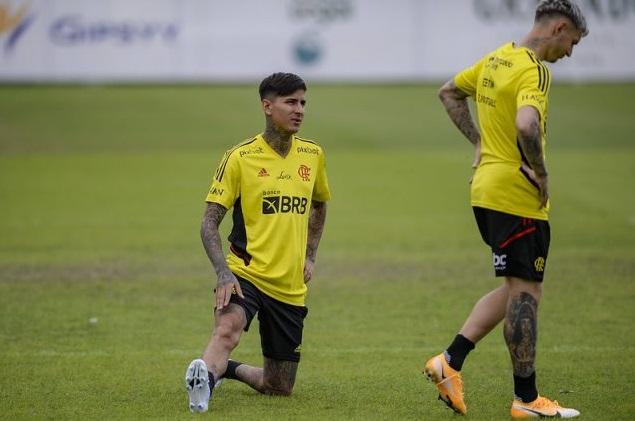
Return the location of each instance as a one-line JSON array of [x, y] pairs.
[[455, 102], [211, 237], [317, 218], [530, 140]]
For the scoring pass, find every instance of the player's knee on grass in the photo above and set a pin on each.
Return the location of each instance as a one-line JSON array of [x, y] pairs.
[[279, 376], [278, 388]]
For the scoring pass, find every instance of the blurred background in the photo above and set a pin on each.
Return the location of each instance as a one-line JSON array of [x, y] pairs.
[[115, 113], [323, 40]]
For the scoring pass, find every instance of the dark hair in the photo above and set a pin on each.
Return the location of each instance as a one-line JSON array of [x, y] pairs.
[[280, 84], [565, 8]]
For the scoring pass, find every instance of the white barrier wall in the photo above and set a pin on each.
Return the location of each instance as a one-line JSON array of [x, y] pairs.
[[244, 40]]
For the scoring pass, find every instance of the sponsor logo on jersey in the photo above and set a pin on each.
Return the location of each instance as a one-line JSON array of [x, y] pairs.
[[284, 176], [500, 261], [313, 151], [270, 193], [284, 204], [494, 62], [488, 83], [539, 264], [486, 100], [533, 97], [216, 192], [304, 172], [263, 173], [251, 151]]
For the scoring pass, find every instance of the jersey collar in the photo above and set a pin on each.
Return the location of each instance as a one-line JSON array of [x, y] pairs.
[[529, 51]]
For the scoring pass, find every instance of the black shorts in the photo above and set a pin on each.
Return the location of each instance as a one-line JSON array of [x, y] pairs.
[[281, 324], [519, 245]]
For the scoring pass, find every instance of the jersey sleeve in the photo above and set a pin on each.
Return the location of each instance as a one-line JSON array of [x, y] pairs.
[[533, 88], [321, 190], [467, 79], [225, 186]]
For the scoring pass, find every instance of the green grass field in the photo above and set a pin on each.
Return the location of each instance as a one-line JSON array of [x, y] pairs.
[[101, 196]]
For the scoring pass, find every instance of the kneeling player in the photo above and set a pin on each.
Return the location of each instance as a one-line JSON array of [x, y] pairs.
[[276, 183]]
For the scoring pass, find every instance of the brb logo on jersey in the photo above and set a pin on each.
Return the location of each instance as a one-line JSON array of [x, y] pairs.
[[284, 204]]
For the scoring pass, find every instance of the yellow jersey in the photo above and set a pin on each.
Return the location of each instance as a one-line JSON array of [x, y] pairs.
[[500, 83], [271, 199]]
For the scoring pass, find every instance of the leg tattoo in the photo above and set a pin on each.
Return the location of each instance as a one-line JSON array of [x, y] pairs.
[[276, 378], [521, 332], [279, 376]]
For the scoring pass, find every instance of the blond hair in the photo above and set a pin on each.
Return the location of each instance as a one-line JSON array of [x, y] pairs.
[[565, 8]]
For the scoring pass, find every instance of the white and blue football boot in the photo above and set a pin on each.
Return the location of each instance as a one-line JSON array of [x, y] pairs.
[[197, 386]]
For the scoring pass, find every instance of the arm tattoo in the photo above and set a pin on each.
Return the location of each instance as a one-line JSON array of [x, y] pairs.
[[316, 225], [211, 237], [521, 332], [455, 103], [530, 142]]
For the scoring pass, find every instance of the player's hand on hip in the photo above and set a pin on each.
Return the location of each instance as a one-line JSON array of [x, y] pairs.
[[308, 270], [226, 286], [542, 182]]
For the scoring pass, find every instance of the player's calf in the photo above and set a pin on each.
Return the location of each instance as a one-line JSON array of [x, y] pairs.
[[279, 377]]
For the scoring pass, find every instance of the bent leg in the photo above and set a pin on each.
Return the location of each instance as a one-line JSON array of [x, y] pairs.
[[276, 378], [229, 324], [486, 314], [279, 376]]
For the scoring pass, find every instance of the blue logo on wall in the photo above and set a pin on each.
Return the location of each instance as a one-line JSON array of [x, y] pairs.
[[308, 49], [14, 24], [73, 30]]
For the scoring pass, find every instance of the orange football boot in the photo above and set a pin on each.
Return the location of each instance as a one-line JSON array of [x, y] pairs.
[[448, 382], [541, 407]]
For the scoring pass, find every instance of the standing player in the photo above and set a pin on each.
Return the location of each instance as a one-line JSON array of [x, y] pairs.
[[509, 195], [276, 183]]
